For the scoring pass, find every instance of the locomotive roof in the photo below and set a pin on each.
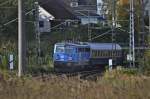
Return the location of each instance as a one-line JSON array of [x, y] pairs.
[[104, 46], [94, 46], [74, 44]]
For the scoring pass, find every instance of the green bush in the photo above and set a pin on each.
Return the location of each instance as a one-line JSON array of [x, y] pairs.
[[119, 72], [144, 65], [4, 62]]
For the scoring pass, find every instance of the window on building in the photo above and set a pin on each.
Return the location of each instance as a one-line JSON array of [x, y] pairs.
[[41, 24], [146, 12], [74, 4]]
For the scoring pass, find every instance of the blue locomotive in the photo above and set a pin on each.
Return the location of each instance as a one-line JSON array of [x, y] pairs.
[[79, 56]]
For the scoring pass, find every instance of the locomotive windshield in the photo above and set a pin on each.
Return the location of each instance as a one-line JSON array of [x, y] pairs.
[[60, 49]]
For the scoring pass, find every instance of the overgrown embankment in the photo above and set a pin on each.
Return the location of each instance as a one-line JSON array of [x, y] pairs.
[[113, 85]]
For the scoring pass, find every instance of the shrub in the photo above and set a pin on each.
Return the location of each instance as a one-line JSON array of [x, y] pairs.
[[144, 65]]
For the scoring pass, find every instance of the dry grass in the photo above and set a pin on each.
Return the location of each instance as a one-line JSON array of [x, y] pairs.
[[111, 86]]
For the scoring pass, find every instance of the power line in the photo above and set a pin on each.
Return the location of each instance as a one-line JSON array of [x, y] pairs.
[[2, 4], [8, 7], [13, 20]]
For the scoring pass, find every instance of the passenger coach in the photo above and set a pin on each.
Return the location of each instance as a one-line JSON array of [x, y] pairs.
[[102, 52]]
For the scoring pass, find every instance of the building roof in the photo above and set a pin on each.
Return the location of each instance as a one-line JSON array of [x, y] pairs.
[[61, 9], [44, 14], [57, 8]]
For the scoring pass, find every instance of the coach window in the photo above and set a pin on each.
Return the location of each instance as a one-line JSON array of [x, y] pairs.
[[94, 54], [117, 53], [106, 53], [97, 53], [87, 49], [103, 53], [109, 53], [100, 54], [80, 49]]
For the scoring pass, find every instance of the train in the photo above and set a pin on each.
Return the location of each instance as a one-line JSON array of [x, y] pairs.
[[70, 57]]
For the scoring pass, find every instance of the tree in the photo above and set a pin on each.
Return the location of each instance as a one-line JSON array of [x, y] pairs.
[[8, 18]]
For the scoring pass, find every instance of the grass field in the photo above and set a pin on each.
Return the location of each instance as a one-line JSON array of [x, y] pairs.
[[113, 85]]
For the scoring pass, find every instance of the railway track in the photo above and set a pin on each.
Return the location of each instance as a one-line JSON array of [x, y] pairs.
[[85, 75]]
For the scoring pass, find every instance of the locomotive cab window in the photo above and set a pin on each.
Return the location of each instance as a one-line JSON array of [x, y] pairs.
[[87, 49], [60, 49]]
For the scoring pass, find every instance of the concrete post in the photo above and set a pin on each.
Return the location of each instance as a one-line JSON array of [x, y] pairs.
[[21, 39]]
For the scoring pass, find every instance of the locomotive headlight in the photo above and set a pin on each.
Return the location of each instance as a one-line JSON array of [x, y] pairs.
[[69, 58], [62, 57]]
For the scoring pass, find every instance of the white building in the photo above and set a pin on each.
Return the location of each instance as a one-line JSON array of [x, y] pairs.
[[44, 20], [147, 7], [99, 7]]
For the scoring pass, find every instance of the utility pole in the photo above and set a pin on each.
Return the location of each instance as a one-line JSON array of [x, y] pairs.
[[21, 38], [142, 30], [149, 21], [113, 29], [142, 23], [38, 34], [89, 26], [132, 42]]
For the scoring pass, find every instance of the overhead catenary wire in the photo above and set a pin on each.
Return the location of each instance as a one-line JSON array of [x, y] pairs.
[[15, 19], [4, 3]]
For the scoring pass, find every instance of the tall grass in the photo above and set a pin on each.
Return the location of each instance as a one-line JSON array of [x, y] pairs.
[[112, 86]]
